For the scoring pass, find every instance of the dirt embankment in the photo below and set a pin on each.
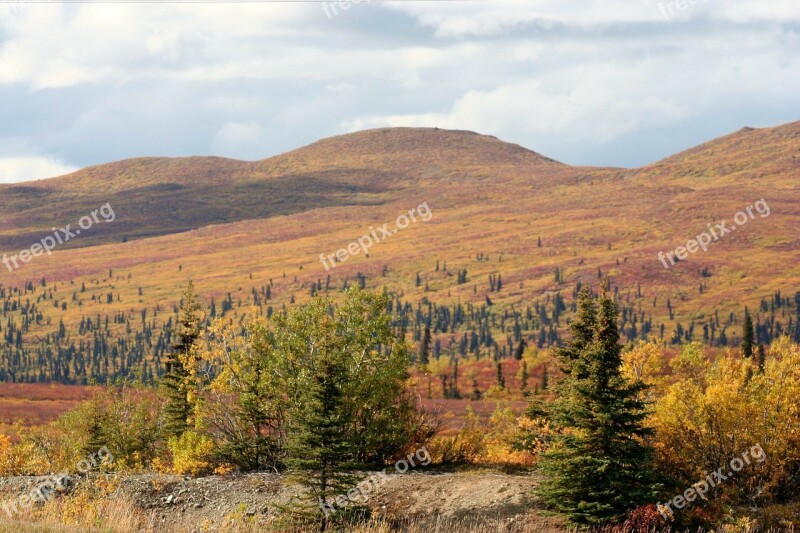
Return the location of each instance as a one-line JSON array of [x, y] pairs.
[[208, 504]]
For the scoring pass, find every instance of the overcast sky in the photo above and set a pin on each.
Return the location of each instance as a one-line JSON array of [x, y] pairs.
[[600, 82]]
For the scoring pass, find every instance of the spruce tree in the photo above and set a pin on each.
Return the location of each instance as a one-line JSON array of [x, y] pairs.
[[177, 410], [320, 445], [97, 423], [346, 375], [545, 379], [520, 350], [425, 349], [598, 467], [748, 336], [524, 378], [501, 380]]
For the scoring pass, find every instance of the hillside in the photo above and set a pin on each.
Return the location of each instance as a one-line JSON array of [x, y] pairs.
[[161, 196], [252, 234]]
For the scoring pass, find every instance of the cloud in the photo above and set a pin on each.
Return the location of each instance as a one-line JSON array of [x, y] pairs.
[[238, 139], [18, 169], [579, 80], [589, 106]]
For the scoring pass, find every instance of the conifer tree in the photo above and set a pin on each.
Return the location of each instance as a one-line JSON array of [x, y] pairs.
[[476, 391], [425, 349], [320, 445], [177, 410], [96, 437], [524, 377], [748, 336], [345, 372], [598, 467], [501, 380], [520, 350]]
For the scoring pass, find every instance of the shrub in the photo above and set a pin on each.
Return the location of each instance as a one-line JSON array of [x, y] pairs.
[[6, 457], [498, 441], [716, 410], [192, 453], [464, 448], [643, 519]]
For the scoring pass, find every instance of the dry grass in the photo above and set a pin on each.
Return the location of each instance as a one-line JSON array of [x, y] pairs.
[[106, 515], [120, 516]]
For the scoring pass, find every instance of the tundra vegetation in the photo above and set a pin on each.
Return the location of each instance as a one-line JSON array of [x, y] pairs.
[[323, 393]]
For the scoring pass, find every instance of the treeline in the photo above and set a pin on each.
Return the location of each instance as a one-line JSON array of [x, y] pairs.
[[105, 347]]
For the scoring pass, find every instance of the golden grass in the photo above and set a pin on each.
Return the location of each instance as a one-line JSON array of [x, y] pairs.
[[121, 516], [107, 515]]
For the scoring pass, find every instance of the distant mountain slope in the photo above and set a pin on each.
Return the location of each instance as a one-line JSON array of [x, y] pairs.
[[500, 213], [410, 149], [160, 196], [748, 154]]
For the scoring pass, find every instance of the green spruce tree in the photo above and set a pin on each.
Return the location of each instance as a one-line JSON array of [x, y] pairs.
[[523, 386], [598, 467], [178, 410], [425, 348], [345, 375], [96, 436], [320, 445], [748, 336], [501, 380]]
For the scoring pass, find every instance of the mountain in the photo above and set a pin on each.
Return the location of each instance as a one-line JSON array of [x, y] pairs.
[[251, 234], [161, 196]]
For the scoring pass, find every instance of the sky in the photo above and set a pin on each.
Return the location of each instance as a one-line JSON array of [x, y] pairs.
[[587, 82]]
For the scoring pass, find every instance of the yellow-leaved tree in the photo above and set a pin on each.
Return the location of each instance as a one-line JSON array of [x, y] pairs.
[[716, 411]]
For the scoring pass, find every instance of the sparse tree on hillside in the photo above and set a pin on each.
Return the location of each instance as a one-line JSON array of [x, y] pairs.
[[748, 336], [762, 358], [520, 349], [501, 380], [545, 384], [425, 348], [523, 376]]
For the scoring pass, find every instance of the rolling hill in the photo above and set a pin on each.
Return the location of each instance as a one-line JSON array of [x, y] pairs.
[[251, 234]]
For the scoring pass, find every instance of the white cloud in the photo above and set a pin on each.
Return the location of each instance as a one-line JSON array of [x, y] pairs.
[[237, 139], [592, 106], [98, 82], [17, 169]]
